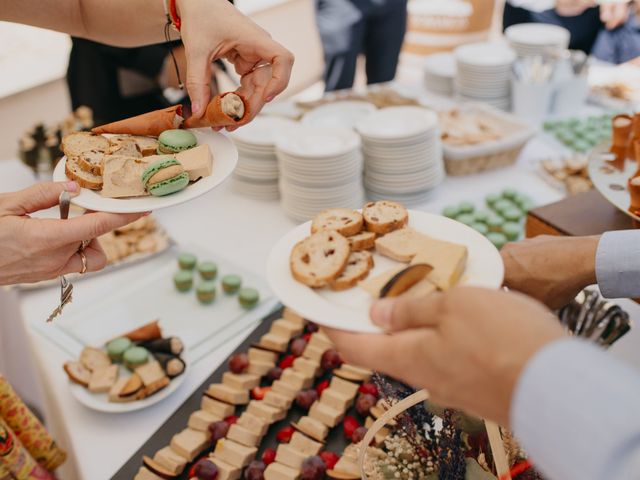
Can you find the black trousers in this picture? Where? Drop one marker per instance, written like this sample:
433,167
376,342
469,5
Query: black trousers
349,28
584,28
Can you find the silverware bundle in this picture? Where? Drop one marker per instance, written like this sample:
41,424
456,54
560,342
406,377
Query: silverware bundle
592,317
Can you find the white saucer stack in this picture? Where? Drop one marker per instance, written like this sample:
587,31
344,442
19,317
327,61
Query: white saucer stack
256,175
402,154
320,168
530,39
484,73
341,114
439,73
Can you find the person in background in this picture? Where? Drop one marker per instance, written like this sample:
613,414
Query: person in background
586,20
348,28
33,249
505,357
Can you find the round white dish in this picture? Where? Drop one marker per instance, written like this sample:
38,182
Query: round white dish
349,309
343,114
225,158
313,142
397,123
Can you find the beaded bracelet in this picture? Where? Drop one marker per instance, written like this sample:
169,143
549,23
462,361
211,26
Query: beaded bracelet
171,12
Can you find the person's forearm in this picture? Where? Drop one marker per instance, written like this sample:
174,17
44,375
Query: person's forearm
575,412
123,23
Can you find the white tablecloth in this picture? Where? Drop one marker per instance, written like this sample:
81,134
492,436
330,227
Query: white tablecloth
242,230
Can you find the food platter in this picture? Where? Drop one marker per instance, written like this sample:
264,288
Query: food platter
225,158
349,309
611,182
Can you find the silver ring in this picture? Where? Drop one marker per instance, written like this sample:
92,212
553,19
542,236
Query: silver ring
260,65
83,257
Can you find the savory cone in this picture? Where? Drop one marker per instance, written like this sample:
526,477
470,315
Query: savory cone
225,110
148,124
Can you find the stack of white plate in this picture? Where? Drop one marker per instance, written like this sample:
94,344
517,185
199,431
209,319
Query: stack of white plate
256,174
320,168
484,73
530,39
342,114
439,73
402,154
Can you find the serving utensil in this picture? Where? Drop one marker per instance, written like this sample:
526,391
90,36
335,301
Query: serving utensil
66,288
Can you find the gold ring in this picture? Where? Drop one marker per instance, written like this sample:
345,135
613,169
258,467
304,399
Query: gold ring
260,65
83,257
84,244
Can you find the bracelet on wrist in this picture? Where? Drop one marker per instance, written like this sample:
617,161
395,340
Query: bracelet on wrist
171,11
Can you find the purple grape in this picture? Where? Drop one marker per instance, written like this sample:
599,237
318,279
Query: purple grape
274,374
255,471
206,470
359,434
365,403
306,398
239,362
312,327
297,346
218,430
330,359
313,468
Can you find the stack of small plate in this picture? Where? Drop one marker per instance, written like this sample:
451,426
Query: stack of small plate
342,114
320,168
439,73
256,175
484,73
530,39
402,154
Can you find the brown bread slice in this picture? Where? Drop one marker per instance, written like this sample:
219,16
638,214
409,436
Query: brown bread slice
124,146
319,259
73,144
358,267
85,179
147,145
78,373
92,161
362,241
384,216
345,221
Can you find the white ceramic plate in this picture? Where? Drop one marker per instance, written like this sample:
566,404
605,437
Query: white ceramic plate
538,34
349,310
225,157
315,142
398,123
100,401
610,182
262,131
343,114
489,55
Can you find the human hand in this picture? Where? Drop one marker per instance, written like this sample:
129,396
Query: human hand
467,347
614,13
34,249
214,29
551,269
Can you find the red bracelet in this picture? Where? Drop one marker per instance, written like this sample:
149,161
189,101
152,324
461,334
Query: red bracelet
173,14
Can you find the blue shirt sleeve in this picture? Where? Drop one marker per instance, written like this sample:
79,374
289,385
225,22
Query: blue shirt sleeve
618,264
576,412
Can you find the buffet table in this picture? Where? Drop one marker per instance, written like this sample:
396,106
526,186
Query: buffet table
232,226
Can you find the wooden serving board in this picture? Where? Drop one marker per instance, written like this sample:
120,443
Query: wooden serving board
335,442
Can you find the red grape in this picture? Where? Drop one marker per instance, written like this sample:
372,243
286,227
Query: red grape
330,359
258,393
239,362
330,459
231,419
274,374
307,337
359,434
205,469
312,327
285,434
306,398
364,403
313,468
322,386
369,388
297,346
255,471
269,456
350,425
218,430
287,362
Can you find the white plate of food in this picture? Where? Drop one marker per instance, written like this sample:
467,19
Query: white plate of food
117,184
611,182
457,254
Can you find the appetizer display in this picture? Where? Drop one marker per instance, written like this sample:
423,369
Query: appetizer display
570,173
206,288
125,166
328,258
460,127
581,134
132,367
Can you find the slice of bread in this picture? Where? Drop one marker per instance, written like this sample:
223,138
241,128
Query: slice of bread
384,216
319,259
124,146
78,373
147,145
362,241
92,161
76,143
358,267
345,221
94,358
401,245
85,179
374,285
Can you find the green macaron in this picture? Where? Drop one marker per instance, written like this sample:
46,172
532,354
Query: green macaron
117,347
206,291
466,207
231,283
482,216
208,270
187,261
450,211
495,223
509,193
164,177
513,214
183,280
498,239
135,356
512,230
480,227
466,218
492,198
502,205
248,297
174,141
